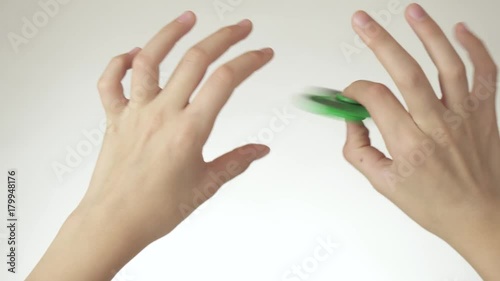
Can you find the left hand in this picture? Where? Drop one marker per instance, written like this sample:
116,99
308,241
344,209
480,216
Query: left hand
151,173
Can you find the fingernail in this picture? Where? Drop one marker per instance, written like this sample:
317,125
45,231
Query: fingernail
245,22
267,51
362,19
417,12
186,17
134,51
263,151
463,28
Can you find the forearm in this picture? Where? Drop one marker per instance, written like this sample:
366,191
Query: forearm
91,245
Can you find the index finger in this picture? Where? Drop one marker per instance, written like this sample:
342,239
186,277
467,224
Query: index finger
401,66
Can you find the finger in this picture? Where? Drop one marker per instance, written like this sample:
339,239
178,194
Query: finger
110,86
219,87
365,158
485,69
232,164
452,73
392,119
146,65
404,70
196,61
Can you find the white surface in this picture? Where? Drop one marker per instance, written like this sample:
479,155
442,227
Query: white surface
268,220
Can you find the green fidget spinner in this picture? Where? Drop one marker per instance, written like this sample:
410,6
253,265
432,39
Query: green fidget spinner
332,103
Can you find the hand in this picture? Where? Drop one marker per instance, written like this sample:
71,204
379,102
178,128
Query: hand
444,171
150,173
152,151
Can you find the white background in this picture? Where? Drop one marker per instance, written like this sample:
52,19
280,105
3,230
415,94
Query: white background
261,225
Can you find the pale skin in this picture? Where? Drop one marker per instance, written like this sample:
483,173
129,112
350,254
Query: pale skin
454,188
154,141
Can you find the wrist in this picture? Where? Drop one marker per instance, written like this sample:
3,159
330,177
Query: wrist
91,245
480,246
108,225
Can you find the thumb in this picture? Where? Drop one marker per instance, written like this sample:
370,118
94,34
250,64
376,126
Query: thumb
232,164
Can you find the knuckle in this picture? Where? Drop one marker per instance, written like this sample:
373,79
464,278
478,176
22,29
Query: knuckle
197,119
139,95
349,88
225,74
197,55
411,145
456,73
142,61
117,105
106,85
348,153
363,135
155,123
149,81
226,31
118,61
354,85
428,118
193,113
378,91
